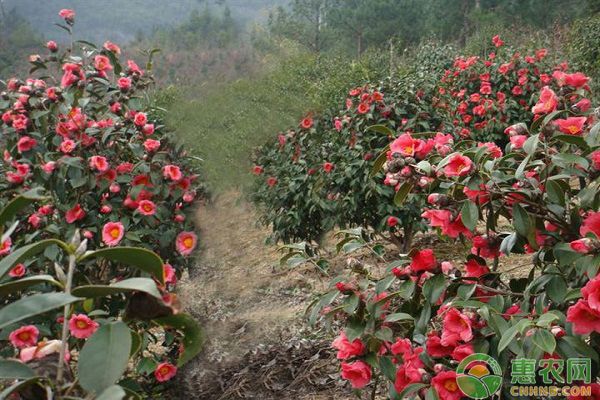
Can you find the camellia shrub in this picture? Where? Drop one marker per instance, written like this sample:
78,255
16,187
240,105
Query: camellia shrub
405,330
109,174
318,176
484,95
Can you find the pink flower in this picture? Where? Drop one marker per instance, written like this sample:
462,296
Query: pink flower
517,141
99,163
547,102
5,247
146,207
169,274
172,172
456,328
576,80
67,14
581,245
124,84
585,320
26,143
17,271
112,233
404,145
102,63
82,326
583,105
49,167
186,242
446,386
24,336
494,150
165,371
571,125
591,293
462,351
140,119
52,46
358,373
148,129
435,348
67,146
328,167
497,41
346,349
474,269
458,165
75,214
110,46
151,145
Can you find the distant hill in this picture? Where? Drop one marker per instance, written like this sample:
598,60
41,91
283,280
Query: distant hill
121,20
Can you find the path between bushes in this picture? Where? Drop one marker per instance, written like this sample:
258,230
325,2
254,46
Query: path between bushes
252,310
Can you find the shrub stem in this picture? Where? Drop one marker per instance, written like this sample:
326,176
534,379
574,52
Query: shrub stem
65,327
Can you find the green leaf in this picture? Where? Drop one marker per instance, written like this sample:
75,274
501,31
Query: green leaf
402,193
146,285
143,259
104,357
23,253
33,305
410,389
566,159
114,392
24,283
522,221
399,317
192,335
555,192
17,204
388,368
379,161
381,129
544,340
434,287
557,289
17,387
470,214
510,333
531,144
12,369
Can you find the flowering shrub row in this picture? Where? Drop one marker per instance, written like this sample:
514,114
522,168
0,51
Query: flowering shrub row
539,196
318,176
110,171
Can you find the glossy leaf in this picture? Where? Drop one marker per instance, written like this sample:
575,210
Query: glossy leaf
12,369
24,253
31,306
143,259
193,338
146,285
24,283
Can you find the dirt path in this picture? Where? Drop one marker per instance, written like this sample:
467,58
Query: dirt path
251,309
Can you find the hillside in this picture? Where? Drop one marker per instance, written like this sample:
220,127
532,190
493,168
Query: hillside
121,21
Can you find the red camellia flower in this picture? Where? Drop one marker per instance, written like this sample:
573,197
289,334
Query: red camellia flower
497,41
165,371
456,328
81,326
581,245
591,224
392,221
102,63
110,46
186,243
346,349
435,348
358,373
458,165
124,84
172,172
169,274
151,145
257,170
585,320
26,143
75,214
271,181
547,102
423,260
446,387
17,271
306,123
67,14
474,269
591,293
52,46
404,144
363,108
571,125
146,207
328,167
99,163
24,336
575,80
140,119
112,233
67,146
